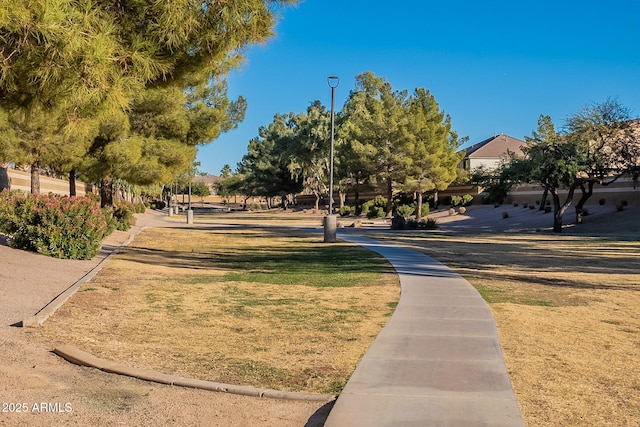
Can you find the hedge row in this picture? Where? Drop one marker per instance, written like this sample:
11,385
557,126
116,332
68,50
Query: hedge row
58,226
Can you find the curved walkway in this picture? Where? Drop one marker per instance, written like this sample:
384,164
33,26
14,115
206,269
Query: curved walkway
437,362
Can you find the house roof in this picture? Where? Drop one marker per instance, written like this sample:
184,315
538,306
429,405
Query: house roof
207,179
495,147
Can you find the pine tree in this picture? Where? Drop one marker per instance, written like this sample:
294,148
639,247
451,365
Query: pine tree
86,61
432,149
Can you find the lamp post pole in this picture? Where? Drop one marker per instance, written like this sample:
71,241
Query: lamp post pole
330,221
189,210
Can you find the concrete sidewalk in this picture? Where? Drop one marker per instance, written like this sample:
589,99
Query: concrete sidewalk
438,361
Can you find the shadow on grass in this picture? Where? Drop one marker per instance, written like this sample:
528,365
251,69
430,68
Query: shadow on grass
534,258
306,263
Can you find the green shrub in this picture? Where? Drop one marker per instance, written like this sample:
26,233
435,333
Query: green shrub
399,223
405,211
465,200
425,209
346,211
61,227
139,208
375,212
375,208
157,204
7,210
123,215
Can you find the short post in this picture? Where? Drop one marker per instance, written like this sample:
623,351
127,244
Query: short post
330,228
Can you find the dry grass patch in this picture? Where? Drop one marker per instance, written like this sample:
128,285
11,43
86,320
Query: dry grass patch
568,314
247,306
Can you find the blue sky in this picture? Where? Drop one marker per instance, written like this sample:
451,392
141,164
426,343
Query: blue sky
493,66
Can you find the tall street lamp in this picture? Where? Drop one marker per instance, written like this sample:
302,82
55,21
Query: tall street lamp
330,221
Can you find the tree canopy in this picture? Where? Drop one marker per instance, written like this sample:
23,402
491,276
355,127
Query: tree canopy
600,144
267,166
395,140
373,128
86,66
432,149
387,140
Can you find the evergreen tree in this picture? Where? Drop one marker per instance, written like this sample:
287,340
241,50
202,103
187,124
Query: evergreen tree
88,60
267,167
310,151
431,151
373,130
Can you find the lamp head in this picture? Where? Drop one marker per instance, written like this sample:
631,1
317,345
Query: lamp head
333,81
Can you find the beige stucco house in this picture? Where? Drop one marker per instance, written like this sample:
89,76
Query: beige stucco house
490,152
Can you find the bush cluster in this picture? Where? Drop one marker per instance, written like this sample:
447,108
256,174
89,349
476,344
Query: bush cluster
405,211
346,211
375,208
400,223
157,204
120,215
60,226
465,200
52,225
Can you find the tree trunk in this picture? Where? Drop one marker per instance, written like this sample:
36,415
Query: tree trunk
106,192
389,197
342,196
543,203
317,204
436,200
357,196
72,183
586,194
35,177
559,210
419,208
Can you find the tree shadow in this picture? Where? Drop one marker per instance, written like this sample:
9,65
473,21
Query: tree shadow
602,256
304,261
320,416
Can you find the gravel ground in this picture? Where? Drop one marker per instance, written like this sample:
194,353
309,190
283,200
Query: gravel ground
601,220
